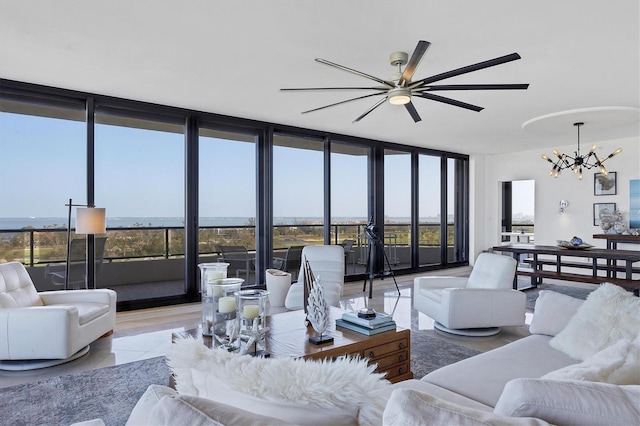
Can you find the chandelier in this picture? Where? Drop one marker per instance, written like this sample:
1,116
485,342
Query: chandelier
578,162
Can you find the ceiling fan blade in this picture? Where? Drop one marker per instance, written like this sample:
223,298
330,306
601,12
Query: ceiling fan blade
412,111
344,102
449,101
361,74
473,87
376,105
300,89
414,61
467,69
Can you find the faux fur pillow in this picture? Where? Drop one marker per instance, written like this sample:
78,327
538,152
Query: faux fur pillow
343,391
609,314
618,364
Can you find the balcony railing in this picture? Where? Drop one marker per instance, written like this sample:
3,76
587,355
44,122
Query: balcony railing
34,247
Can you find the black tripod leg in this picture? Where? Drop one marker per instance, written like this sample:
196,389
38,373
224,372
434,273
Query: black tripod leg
366,269
390,270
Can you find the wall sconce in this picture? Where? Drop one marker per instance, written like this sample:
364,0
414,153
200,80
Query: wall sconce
563,205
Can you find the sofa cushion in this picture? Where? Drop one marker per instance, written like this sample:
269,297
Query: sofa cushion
160,405
407,407
437,392
552,312
87,311
571,403
618,364
609,314
294,390
482,377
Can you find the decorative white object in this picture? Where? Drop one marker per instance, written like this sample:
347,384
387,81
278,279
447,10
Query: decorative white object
226,304
318,312
210,275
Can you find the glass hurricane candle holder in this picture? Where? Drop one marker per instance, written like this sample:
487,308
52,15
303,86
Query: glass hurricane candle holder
209,274
252,310
226,328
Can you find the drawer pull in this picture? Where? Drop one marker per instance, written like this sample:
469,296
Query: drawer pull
401,370
401,345
401,358
371,354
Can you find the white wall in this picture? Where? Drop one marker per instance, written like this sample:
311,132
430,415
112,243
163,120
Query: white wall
487,173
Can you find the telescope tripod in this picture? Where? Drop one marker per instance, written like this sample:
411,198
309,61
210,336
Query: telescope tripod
376,243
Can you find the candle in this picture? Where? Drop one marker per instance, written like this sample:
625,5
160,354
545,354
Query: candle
226,305
213,276
216,290
250,311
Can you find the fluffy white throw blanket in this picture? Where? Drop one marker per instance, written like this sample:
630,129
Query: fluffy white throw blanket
609,314
345,382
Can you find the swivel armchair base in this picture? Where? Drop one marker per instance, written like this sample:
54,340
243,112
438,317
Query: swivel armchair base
472,332
34,364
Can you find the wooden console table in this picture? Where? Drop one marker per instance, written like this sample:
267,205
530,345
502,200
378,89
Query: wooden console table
555,258
288,337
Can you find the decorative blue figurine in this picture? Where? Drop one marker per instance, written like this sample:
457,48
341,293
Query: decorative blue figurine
576,241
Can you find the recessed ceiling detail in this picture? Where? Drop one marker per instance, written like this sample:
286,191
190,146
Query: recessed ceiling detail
400,89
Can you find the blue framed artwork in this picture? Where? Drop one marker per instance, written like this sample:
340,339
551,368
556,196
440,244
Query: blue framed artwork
634,203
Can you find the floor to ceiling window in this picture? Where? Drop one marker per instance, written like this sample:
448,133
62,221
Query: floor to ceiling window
457,211
227,200
298,191
349,208
43,151
429,187
139,179
397,208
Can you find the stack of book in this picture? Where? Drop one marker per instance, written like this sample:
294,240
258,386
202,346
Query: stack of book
368,326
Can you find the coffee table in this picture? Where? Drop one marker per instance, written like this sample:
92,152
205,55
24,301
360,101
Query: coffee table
288,337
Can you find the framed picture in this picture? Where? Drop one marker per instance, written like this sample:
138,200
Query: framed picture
604,184
604,211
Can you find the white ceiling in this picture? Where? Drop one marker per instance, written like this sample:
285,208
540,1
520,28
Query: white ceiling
232,57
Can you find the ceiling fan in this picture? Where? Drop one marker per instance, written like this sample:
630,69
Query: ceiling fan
399,90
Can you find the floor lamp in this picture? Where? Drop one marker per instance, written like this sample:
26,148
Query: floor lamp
89,220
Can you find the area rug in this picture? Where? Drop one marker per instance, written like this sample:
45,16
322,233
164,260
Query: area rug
107,393
430,353
577,292
111,393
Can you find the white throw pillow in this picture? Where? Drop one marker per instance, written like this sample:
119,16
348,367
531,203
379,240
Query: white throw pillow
609,314
408,407
299,391
618,364
571,403
552,312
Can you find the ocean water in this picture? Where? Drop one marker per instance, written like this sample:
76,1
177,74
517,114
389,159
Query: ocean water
12,223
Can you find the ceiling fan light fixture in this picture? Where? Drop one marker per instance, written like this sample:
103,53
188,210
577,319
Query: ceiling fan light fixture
399,96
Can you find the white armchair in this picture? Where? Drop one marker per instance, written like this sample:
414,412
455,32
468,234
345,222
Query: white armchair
48,328
327,263
475,306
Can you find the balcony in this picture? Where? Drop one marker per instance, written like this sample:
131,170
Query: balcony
148,262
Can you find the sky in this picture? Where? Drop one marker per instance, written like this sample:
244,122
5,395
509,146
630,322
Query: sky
140,173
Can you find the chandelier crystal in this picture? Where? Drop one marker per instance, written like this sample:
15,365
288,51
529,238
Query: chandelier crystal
578,162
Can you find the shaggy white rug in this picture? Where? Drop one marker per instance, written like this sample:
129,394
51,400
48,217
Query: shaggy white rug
295,390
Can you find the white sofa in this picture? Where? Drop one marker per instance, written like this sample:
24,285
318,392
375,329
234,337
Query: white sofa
528,381
52,325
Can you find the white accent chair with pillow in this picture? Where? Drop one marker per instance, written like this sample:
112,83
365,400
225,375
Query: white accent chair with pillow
475,306
48,328
327,264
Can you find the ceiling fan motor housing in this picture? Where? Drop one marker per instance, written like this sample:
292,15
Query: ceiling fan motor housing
398,58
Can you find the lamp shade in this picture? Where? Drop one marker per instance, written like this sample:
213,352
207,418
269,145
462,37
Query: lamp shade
90,220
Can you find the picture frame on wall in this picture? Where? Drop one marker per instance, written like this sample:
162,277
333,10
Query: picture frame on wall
602,210
604,184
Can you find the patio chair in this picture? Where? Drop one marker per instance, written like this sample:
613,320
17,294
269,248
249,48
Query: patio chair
56,272
239,261
290,262
347,245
